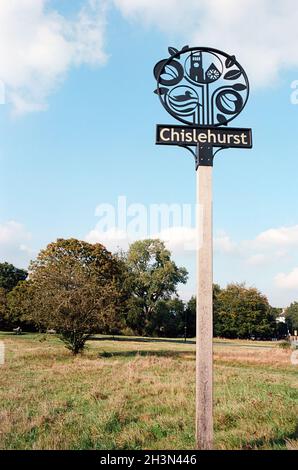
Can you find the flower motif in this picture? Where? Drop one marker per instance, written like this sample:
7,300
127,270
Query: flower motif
213,74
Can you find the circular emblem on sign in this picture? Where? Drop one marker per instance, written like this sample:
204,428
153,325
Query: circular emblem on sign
184,100
201,86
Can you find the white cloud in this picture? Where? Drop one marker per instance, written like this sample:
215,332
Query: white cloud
12,232
14,240
113,239
287,281
283,236
262,33
178,240
256,259
223,243
268,246
38,46
266,253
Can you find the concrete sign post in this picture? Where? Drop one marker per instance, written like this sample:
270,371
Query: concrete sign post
204,320
204,89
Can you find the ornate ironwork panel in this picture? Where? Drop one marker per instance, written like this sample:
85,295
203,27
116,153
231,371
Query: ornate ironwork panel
201,86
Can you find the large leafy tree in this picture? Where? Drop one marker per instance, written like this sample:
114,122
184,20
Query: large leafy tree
167,319
152,276
281,329
23,307
243,312
73,287
239,312
3,308
191,308
10,276
190,317
291,314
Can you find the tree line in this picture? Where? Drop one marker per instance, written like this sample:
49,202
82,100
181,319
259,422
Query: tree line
79,289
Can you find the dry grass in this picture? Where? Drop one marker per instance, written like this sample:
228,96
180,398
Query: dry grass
257,356
140,395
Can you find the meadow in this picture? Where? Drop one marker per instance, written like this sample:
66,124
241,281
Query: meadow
135,393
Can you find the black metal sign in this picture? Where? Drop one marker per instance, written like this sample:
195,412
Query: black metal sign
193,136
202,88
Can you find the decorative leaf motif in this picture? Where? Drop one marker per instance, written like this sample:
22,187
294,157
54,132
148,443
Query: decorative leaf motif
239,87
168,72
222,119
184,48
171,71
188,110
230,61
233,74
228,102
161,91
172,51
159,68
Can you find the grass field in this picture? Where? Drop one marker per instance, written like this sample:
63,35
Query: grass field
136,394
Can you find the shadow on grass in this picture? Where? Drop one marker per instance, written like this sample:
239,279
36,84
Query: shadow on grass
146,353
141,340
181,341
280,441
15,335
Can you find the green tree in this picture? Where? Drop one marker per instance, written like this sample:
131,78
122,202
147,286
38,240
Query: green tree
243,312
281,329
134,317
73,287
152,276
291,314
10,276
3,308
276,311
167,319
190,317
191,309
216,308
22,309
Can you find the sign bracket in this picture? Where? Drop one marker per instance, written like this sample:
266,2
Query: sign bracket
204,155
201,155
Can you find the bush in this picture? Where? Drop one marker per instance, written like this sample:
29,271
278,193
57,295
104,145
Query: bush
285,345
127,331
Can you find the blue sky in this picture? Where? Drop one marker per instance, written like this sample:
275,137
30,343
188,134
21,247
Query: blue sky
78,128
